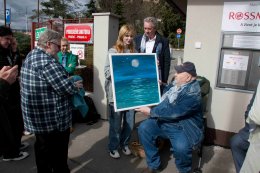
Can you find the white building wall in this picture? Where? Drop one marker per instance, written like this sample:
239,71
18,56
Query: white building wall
226,108
105,34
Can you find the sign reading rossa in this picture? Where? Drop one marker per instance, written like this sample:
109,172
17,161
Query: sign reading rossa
81,33
241,16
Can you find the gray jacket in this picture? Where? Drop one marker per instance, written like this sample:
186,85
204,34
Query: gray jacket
108,82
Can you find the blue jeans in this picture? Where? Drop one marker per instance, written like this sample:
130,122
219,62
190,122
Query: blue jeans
120,134
239,145
149,131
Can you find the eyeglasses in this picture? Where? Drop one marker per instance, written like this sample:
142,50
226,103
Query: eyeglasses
55,44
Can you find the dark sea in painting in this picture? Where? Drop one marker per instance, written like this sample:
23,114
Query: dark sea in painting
135,80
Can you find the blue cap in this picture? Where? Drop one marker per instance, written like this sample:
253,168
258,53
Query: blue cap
188,67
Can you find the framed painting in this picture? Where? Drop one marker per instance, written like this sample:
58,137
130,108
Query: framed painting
134,79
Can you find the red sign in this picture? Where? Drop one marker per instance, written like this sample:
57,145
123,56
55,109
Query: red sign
82,33
179,31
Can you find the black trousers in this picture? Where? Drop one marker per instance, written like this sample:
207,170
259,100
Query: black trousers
11,129
51,152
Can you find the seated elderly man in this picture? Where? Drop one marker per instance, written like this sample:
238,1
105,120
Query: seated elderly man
178,118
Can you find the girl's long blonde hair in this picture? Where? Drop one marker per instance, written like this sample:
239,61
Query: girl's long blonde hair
125,30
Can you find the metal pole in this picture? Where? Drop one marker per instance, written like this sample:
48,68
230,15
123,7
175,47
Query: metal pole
5,11
38,12
26,21
178,43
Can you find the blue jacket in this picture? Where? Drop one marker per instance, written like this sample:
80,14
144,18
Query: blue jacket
185,110
78,99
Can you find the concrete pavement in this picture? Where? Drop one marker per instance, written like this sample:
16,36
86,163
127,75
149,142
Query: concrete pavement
88,154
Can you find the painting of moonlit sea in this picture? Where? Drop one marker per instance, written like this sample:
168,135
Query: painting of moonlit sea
134,80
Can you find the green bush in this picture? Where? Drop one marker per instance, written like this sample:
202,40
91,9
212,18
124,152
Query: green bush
24,43
174,41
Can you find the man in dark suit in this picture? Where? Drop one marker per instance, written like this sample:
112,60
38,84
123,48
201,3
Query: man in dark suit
152,42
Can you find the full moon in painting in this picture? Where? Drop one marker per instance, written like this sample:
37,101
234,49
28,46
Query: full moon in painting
135,63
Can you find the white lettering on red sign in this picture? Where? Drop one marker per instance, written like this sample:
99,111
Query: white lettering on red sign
76,31
79,32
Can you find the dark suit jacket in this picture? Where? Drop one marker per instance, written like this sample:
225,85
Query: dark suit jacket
164,54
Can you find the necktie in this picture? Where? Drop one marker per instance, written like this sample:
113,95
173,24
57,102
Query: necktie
64,60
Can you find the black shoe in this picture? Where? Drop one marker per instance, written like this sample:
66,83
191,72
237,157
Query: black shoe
21,156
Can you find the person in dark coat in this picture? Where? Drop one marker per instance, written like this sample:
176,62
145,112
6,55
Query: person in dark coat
152,42
11,123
